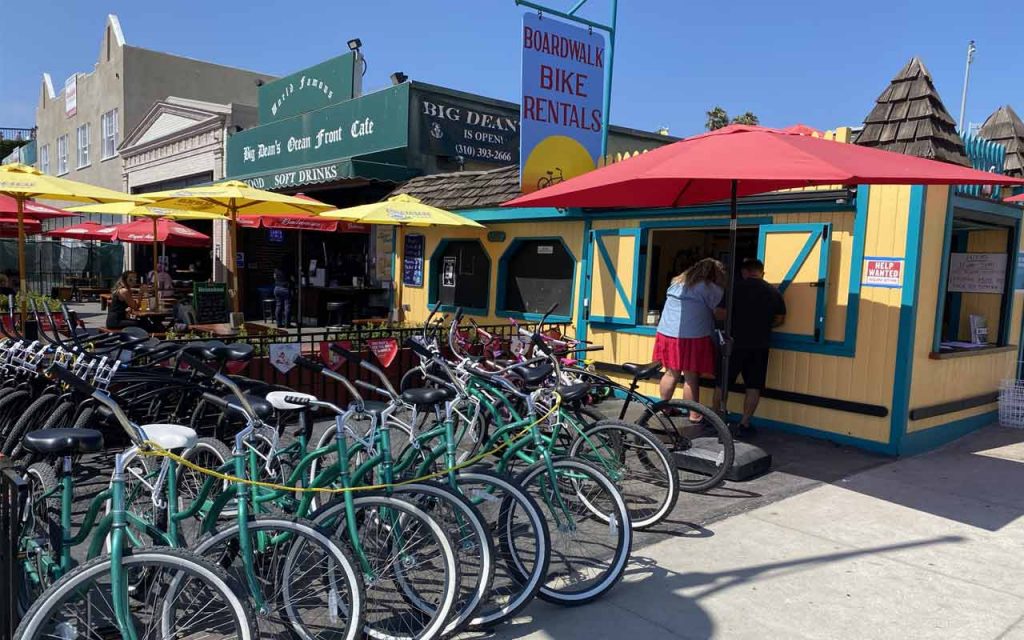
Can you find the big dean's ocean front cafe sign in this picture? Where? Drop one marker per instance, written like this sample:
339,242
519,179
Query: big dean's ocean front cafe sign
318,145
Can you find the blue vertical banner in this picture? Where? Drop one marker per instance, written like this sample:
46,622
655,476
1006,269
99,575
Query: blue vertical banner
563,94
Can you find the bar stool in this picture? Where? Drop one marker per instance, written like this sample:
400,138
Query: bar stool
337,313
268,309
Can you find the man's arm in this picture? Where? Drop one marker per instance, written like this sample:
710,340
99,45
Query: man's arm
780,310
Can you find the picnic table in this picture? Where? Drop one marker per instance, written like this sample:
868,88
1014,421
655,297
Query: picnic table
224,329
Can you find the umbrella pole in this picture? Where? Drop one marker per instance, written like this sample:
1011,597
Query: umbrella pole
723,389
22,281
400,262
156,257
232,262
298,301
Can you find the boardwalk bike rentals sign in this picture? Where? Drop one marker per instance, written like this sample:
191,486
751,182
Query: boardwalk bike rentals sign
563,93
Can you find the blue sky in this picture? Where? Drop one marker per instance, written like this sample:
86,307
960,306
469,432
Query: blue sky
820,63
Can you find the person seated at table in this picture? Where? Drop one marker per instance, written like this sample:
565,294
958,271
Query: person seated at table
122,302
5,286
162,279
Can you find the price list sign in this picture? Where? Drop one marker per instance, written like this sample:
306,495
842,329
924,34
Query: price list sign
412,261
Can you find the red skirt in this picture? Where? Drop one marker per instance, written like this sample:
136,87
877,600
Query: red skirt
686,354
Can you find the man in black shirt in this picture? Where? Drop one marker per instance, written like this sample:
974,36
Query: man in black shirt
758,307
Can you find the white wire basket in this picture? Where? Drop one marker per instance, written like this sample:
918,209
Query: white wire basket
1011,403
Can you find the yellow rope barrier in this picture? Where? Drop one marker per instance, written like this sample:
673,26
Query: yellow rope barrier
151,449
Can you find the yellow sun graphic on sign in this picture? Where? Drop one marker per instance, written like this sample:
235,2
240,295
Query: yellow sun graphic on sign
555,159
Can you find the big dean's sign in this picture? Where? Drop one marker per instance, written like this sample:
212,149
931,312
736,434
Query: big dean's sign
370,123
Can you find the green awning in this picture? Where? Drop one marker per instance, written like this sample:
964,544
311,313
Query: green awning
324,172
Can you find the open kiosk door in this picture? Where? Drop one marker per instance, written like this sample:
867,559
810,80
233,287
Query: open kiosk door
795,260
614,274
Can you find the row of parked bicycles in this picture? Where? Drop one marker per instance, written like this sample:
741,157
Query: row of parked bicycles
233,508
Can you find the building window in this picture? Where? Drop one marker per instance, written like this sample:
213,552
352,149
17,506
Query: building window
44,158
534,275
460,275
84,132
976,295
108,123
62,155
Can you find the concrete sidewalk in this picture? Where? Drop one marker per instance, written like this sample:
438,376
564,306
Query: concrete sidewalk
927,547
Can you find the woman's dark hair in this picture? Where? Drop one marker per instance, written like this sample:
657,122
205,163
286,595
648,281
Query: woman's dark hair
122,282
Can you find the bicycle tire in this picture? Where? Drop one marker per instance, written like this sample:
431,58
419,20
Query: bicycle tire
40,525
288,595
380,601
612,516
474,548
33,415
235,616
650,485
512,588
62,416
209,453
718,447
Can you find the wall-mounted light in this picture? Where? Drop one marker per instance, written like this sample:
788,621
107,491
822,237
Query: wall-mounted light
259,82
398,78
354,44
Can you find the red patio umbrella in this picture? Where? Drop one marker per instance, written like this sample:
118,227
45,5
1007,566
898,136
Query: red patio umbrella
741,160
9,227
1016,198
169,232
37,210
87,230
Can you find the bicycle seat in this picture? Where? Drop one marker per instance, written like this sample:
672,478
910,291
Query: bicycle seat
170,436
234,352
63,442
533,376
279,400
134,332
642,371
573,392
425,398
264,410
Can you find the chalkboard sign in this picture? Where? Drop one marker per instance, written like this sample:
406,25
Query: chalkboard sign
210,302
412,263
977,272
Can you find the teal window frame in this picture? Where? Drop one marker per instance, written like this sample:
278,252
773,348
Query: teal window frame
818,233
432,278
999,215
499,303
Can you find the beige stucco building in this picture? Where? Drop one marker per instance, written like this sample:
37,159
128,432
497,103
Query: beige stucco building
82,123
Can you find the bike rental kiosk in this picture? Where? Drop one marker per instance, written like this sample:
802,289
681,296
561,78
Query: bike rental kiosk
904,312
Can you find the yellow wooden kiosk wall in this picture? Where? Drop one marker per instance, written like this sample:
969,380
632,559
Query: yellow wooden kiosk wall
867,374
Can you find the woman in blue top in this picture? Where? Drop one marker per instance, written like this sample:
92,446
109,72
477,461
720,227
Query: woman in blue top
683,343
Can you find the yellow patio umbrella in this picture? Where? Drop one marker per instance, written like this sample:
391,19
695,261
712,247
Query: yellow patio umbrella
23,182
401,211
230,199
147,211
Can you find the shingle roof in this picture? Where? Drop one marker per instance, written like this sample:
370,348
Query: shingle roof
463,190
909,117
1005,127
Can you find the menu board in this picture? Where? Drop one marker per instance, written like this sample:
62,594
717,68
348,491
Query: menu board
412,261
977,272
210,302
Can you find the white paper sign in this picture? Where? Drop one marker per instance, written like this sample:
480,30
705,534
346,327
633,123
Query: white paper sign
71,96
282,355
977,272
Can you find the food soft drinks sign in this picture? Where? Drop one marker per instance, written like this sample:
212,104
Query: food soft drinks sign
563,93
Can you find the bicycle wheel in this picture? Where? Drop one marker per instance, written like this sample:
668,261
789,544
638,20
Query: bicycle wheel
519,529
708,448
474,549
32,418
40,538
308,584
643,469
208,453
62,416
398,546
188,598
591,536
